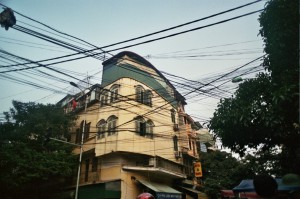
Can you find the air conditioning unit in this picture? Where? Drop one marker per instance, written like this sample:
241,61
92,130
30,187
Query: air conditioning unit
178,154
175,127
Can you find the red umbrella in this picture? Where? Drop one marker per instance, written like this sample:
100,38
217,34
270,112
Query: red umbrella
145,196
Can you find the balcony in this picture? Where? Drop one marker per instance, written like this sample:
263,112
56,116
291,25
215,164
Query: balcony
159,167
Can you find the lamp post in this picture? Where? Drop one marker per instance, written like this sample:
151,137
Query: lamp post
82,138
236,79
239,79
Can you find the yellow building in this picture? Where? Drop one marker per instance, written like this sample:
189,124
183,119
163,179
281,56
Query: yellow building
137,136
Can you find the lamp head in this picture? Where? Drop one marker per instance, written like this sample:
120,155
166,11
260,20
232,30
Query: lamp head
73,84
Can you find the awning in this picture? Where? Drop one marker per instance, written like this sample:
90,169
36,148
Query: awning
162,191
103,190
227,193
230,194
157,171
247,186
193,192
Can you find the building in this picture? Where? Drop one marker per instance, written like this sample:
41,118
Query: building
137,136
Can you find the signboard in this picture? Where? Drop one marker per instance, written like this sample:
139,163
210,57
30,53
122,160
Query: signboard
161,195
198,169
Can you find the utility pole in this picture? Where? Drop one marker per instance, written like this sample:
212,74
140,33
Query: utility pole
7,18
82,138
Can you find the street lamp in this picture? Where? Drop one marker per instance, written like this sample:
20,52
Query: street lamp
82,137
237,79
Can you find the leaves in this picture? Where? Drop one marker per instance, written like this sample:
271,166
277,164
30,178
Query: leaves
222,171
265,110
26,161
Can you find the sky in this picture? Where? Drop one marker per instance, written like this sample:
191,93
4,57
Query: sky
204,55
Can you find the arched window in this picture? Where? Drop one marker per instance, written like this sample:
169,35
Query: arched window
149,129
101,128
142,96
104,98
140,126
112,125
148,98
139,91
114,93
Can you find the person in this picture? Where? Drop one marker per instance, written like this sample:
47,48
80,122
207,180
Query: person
145,196
265,186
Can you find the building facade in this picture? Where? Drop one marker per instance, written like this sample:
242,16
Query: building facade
137,136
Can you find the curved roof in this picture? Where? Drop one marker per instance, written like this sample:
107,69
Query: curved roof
143,61
129,54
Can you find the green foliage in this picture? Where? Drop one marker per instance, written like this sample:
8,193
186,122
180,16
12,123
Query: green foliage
264,162
222,171
247,120
265,110
279,30
30,166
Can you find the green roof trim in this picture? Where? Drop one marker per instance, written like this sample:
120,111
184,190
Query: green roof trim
113,72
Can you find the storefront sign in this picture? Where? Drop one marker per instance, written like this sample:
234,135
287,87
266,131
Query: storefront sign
168,196
198,169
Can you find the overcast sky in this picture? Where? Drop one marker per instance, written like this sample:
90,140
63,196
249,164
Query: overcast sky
201,55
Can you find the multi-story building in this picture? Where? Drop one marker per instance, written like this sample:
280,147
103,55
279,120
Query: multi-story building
137,136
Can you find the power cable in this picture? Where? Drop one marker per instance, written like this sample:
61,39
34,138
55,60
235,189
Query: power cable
140,43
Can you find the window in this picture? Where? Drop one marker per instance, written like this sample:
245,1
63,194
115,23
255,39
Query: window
94,164
173,115
104,99
190,144
175,142
101,128
139,91
148,98
142,96
194,148
140,126
111,125
97,93
86,129
78,136
149,129
144,128
114,96
87,164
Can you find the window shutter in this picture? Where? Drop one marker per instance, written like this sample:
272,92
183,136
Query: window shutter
142,128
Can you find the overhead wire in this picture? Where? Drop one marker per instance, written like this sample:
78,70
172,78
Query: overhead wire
160,107
192,29
152,40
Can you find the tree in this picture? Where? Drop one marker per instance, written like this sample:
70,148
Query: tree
31,166
222,171
263,162
279,30
264,112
